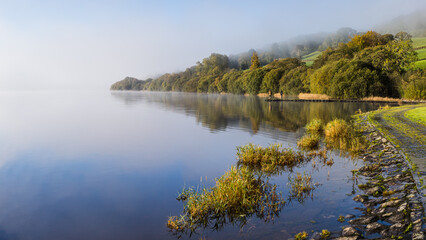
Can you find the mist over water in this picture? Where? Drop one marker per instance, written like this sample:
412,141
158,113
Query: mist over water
100,165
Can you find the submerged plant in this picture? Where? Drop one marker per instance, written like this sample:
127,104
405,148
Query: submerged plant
301,186
325,234
239,193
301,236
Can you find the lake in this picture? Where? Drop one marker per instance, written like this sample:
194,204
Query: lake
109,165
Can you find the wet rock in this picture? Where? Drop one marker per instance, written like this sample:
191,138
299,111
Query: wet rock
374,227
316,236
418,236
350,232
373,191
363,220
346,238
396,229
396,218
411,196
360,198
402,207
391,203
349,216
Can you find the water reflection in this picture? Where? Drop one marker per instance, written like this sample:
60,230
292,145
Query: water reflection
219,112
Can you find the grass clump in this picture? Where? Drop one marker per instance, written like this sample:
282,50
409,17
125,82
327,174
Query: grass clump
335,129
309,141
341,135
325,234
301,236
315,126
269,159
235,196
301,186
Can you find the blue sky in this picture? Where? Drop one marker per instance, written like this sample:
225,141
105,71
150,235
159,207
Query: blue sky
93,43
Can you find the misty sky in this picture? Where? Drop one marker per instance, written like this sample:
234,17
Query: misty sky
90,44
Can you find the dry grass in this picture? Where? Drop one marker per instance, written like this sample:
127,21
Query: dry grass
308,96
343,136
382,99
263,95
337,128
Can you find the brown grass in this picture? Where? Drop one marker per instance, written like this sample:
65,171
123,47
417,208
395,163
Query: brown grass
382,99
313,96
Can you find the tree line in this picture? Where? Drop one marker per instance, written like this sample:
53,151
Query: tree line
369,64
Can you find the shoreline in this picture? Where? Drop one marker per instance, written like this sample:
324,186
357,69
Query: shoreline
392,204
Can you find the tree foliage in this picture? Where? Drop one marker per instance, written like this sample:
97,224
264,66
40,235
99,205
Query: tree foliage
369,64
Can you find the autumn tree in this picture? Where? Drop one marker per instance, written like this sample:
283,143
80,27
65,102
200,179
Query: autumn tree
254,61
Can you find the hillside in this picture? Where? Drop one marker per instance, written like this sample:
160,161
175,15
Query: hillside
369,65
419,45
310,58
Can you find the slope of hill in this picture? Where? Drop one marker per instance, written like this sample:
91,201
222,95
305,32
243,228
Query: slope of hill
419,44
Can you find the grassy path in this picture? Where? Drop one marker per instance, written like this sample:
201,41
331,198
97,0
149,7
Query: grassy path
408,134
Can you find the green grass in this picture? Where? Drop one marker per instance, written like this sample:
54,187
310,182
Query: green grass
417,115
421,64
419,42
310,58
421,54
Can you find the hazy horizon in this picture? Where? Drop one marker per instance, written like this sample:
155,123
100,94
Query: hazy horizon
91,44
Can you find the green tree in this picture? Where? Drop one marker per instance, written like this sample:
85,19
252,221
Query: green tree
271,81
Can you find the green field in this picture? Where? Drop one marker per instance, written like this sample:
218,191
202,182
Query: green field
421,54
417,115
418,43
310,58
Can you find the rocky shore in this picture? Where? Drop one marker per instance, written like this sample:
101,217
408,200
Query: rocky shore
390,203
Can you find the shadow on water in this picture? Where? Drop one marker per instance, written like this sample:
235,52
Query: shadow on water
219,112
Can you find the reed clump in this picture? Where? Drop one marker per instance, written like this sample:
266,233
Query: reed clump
235,196
269,159
341,135
309,141
315,126
337,128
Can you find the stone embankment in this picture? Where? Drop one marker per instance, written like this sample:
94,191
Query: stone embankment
391,205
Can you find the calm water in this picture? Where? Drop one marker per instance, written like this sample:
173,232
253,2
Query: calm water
101,165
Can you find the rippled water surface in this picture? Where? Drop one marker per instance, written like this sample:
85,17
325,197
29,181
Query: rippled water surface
109,165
